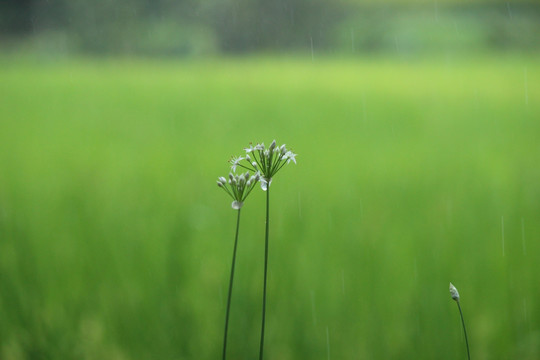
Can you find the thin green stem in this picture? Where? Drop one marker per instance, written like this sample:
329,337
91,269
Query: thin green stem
464,330
245,167
265,271
230,287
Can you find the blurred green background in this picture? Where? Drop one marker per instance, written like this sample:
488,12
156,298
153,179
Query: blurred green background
418,137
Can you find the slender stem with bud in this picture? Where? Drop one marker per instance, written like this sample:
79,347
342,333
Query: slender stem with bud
464,330
230,287
455,296
265,273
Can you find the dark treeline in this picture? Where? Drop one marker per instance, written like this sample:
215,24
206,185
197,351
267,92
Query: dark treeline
188,27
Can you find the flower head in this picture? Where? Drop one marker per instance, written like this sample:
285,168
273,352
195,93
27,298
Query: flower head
266,161
454,293
238,187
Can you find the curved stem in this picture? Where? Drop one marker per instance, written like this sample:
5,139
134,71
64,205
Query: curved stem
464,331
230,287
265,271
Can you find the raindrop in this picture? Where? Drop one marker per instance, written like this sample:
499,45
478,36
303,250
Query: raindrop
526,87
449,212
343,281
221,300
313,307
311,40
363,106
523,236
327,343
299,205
502,232
509,11
526,313
237,205
456,28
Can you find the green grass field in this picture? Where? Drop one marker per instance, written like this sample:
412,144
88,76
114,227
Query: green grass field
115,241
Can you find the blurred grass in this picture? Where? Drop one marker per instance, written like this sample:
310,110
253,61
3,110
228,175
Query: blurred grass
115,242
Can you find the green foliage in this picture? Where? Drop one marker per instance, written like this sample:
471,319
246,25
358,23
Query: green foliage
186,28
115,241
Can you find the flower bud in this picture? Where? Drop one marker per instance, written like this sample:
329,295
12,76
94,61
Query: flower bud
454,293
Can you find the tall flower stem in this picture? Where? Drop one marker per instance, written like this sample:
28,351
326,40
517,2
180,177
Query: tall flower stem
230,287
265,272
464,330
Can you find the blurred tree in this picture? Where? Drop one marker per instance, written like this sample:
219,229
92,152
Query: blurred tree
15,16
246,25
190,27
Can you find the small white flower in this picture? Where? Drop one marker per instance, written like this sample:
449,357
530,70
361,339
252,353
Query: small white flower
290,156
259,147
235,161
454,293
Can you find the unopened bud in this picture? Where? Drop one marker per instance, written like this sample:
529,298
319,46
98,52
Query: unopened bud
454,293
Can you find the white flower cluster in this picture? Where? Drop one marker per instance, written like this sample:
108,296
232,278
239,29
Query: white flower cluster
266,161
238,187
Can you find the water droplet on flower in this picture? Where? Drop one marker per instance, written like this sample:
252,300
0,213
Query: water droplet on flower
237,205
